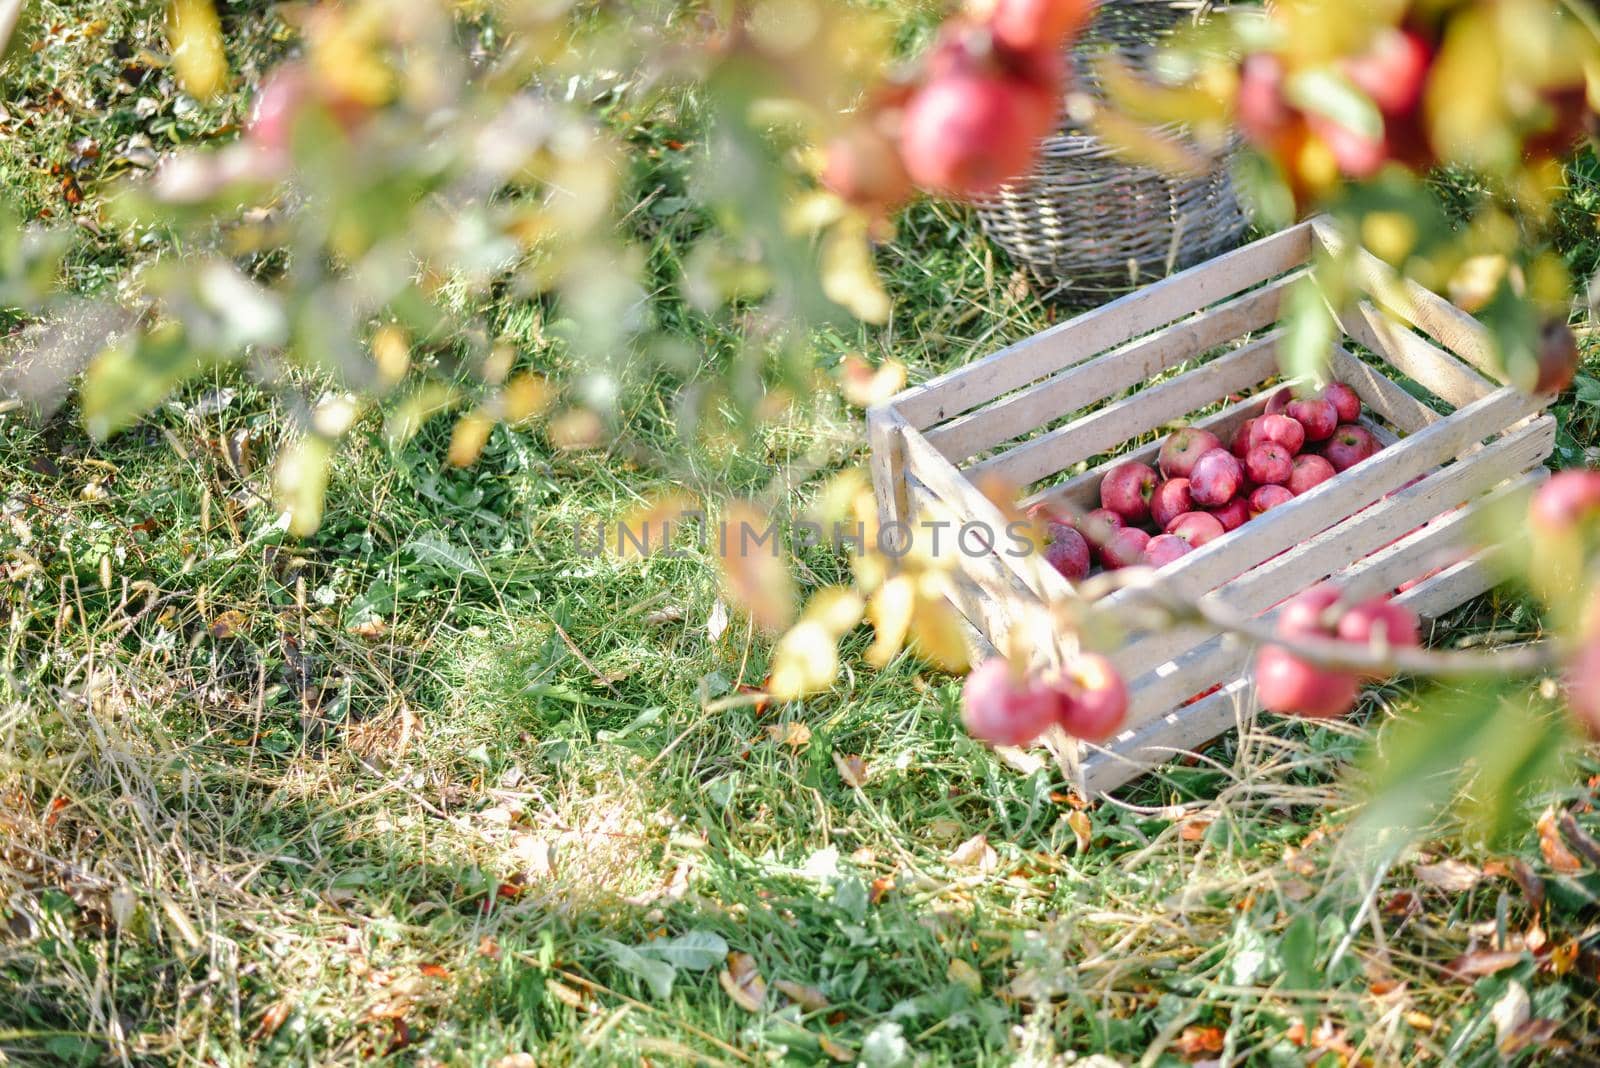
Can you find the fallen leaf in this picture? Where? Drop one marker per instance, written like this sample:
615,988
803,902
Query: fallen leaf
434,971
1453,876
842,1054
1197,1040
228,624
852,770
272,1019
1193,829
717,621
1556,854
880,888
1419,1020
975,852
565,994
1528,879
517,1060
963,974
1531,1033
1510,1012
743,982
532,855
1480,963
372,630
808,998
793,734
1082,829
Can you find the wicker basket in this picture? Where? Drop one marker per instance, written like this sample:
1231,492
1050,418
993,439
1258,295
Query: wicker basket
1096,223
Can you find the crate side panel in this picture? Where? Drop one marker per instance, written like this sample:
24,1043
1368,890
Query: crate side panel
1092,333
1103,377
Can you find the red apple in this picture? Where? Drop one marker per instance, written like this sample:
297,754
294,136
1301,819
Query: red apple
1002,708
1034,25
863,167
1310,612
1279,402
1263,112
1099,525
1266,498
1216,478
1241,439
1125,549
1165,548
1289,686
1067,552
1127,489
968,132
1269,462
1171,500
1197,528
1350,445
1280,429
1096,699
1380,623
1558,357
1567,499
1234,514
1392,71
1346,401
1309,473
1319,418
1183,448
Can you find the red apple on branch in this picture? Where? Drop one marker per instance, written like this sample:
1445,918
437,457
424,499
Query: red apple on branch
1096,699
1003,707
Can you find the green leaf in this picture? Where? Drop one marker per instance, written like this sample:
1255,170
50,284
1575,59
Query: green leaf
655,974
1308,332
1326,92
432,548
693,951
1297,951
134,375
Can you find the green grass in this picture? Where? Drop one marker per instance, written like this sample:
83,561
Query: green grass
434,773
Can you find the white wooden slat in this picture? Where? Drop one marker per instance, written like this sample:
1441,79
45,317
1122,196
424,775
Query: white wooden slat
1307,515
1147,410
1121,320
952,486
990,596
1447,324
1414,356
1087,384
887,463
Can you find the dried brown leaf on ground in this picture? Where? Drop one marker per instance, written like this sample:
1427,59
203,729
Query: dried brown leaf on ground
975,852
808,998
1479,963
1562,861
852,770
1450,875
743,982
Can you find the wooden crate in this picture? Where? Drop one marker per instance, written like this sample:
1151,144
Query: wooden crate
1051,414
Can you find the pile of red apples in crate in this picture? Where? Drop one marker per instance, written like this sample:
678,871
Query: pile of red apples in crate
1203,487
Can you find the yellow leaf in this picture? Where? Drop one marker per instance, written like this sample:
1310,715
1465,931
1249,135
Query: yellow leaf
849,277
228,624
805,660
938,635
743,982
391,353
524,397
467,440
648,528
864,385
1078,820
197,55
575,429
302,482
1154,148
964,974
841,1053
755,573
836,609
891,611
